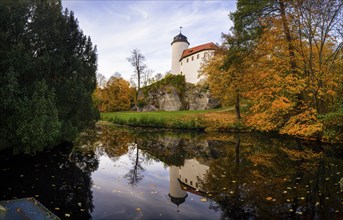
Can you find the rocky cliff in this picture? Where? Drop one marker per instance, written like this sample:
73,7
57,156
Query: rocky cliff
169,97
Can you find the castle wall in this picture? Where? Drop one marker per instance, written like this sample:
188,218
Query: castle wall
190,66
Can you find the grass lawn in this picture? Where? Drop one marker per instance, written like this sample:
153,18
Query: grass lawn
214,119
163,115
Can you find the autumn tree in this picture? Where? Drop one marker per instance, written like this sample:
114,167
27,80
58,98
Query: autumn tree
116,95
285,58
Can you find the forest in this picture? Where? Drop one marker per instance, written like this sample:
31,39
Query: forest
47,75
282,64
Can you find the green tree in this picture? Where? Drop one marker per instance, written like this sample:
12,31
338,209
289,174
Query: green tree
47,72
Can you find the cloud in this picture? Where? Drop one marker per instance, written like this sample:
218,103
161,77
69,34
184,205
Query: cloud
118,27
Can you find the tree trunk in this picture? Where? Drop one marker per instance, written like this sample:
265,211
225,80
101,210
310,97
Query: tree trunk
288,36
237,105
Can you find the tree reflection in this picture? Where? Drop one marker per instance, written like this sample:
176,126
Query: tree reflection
267,179
135,175
54,178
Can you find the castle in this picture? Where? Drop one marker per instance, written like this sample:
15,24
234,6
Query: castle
187,61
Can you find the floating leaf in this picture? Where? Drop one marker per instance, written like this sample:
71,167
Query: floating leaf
203,199
67,215
269,198
56,208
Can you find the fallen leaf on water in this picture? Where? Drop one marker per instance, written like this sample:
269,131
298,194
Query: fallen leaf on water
269,198
67,215
203,199
291,210
56,208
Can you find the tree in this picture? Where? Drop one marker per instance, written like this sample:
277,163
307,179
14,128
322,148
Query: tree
100,80
137,61
226,83
116,95
47,72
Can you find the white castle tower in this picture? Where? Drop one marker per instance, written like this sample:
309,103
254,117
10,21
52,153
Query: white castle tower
179,44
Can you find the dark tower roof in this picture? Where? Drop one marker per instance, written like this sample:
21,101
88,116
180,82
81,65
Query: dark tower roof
180,38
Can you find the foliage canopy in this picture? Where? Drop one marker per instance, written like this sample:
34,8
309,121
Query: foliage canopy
47,75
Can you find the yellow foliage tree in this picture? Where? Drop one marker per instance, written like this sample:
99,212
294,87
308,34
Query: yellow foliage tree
115,96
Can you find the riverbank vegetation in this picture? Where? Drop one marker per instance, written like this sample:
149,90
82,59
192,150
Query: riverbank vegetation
47,75
209,120
284,59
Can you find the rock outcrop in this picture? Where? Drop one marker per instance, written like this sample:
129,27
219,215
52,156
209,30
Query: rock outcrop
169,98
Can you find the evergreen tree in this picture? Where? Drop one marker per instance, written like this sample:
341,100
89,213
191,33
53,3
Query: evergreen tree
47,75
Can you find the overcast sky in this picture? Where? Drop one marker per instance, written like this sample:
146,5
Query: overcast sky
118,27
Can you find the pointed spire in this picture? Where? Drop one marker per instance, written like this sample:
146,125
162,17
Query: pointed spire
180,29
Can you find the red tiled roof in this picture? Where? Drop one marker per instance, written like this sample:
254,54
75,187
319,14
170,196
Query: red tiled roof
193,50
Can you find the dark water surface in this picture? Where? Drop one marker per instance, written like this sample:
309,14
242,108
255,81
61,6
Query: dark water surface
114,173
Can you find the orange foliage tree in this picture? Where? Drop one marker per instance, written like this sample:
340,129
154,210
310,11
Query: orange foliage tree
116,95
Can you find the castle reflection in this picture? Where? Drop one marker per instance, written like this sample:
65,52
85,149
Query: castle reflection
186,178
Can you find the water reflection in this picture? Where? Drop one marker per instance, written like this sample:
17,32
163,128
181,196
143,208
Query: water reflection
115,173
60,179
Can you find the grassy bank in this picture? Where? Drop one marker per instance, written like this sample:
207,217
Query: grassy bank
210,120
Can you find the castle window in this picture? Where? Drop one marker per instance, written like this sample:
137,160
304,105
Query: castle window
185,180
181,63
196,185
198,56
187,60
191,183
192,58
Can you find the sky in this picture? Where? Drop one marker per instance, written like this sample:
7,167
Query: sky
118,27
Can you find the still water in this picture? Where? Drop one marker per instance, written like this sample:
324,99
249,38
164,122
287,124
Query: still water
115,173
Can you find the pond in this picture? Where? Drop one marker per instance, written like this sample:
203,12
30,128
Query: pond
117,173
